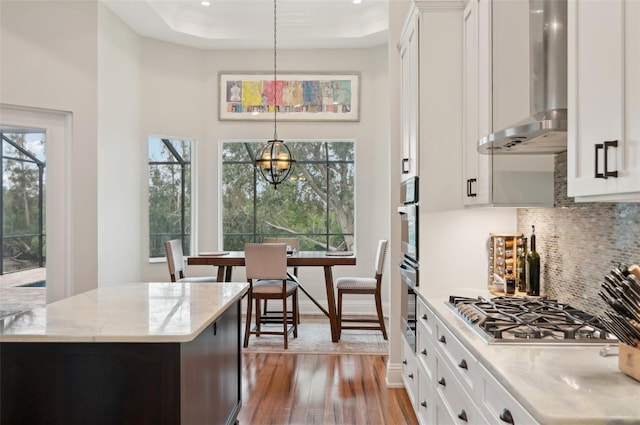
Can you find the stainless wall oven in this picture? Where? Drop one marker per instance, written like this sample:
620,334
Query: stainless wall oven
409,305
409,266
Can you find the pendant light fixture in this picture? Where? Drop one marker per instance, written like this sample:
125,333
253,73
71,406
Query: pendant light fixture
275,160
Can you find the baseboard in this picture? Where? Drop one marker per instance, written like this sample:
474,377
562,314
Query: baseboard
394,375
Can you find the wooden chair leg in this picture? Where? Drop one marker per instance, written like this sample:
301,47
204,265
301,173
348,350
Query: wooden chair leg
380,316
285,325
339,313
296,313
247,329
258,323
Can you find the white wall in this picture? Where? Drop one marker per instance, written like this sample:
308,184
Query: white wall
119,88
48,60
179,98
120,151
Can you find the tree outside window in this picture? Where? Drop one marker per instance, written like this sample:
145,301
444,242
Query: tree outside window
316,204
23,200
169,193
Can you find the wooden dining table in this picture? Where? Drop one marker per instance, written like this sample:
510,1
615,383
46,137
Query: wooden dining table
226,261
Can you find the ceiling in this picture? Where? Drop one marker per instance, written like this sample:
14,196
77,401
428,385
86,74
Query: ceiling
248,24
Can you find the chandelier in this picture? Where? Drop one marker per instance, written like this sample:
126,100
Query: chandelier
275,160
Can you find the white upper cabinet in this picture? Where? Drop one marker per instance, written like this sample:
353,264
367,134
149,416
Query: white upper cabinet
496,96
603,158
474,164
409,55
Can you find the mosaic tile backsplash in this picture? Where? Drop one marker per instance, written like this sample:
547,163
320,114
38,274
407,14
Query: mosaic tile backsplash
580,242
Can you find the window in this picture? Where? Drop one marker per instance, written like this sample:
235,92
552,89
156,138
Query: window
169,193
316,205
23,200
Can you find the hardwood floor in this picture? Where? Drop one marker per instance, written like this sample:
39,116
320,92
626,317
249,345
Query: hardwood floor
320,389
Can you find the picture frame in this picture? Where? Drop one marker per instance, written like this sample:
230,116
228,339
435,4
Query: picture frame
301,96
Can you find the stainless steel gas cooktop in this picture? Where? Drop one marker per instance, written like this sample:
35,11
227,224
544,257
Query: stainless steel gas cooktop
515,320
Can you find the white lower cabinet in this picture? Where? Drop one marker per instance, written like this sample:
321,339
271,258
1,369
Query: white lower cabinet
454,396
498,405
448,385
425,408
410,372
426,359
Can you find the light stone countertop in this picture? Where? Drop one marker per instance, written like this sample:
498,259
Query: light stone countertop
556,384
132,312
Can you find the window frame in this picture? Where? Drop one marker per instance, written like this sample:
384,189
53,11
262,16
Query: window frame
188,248
257,237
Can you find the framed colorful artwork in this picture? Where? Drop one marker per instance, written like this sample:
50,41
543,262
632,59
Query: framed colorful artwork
295,96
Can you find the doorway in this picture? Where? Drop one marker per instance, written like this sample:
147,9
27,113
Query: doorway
35,203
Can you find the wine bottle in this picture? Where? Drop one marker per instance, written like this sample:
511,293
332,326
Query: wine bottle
520,266
533,263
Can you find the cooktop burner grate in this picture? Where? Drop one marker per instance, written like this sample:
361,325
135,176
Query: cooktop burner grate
528,320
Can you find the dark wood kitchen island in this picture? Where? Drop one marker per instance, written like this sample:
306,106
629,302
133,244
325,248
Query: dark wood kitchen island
142,353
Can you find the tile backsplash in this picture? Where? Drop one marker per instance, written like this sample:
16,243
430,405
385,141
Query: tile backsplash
580,242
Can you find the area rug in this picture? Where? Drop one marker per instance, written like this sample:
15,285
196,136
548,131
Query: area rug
314,336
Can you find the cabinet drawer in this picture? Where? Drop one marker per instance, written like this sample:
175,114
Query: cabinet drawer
464,365
426,318
459,403
425,407
426,354
410,372
498,405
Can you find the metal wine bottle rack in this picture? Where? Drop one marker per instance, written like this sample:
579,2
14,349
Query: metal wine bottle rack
504,249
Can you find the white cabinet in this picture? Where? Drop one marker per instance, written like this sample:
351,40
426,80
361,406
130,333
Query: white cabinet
448,385
603,157
426,360
410,372
459,404
495,96
497,405
409,105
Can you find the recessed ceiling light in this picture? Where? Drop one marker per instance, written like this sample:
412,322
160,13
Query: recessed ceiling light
205,3
357,1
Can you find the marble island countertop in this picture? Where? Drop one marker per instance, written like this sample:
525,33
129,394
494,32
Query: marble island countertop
556,384
133,312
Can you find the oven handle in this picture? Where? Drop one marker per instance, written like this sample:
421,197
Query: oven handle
409,275
408,209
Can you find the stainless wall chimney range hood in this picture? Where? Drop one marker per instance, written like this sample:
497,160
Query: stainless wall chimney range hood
545,131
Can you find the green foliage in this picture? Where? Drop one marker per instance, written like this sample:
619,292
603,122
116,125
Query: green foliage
169,194
316,204
22,215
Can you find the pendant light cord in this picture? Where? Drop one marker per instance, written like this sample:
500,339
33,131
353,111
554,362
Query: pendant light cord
275,68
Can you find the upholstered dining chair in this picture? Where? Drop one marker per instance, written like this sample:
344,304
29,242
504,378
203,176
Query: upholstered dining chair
364,285
266,269
294,244
175,261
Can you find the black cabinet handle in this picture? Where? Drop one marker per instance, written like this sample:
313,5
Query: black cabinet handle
470,192
424,403
506,416
442,382
215,328
411,375
405,165
463,364
442,339
404,361
605,147
463,415
424,352
424,317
